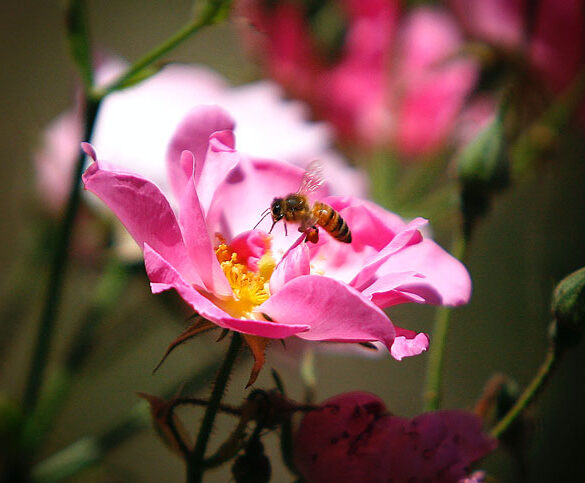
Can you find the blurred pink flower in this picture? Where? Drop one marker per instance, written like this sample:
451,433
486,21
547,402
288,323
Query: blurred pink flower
399,81
58,148
548,35
134,127
54,159
266,285
353,437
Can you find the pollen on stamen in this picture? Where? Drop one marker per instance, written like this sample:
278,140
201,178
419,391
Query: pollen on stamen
250,288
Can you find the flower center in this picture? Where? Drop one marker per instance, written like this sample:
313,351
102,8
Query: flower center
250,288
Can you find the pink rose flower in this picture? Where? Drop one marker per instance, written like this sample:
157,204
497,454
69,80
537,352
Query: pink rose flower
134,127
270,286
550,38
353,437
399,81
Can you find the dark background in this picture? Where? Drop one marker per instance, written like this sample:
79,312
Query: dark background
532,238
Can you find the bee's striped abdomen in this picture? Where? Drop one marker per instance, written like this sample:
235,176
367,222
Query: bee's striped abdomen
332,222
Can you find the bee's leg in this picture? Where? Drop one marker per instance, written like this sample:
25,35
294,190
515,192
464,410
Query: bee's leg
285,232
312,235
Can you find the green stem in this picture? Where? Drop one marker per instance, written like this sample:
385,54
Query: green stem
211,13
384,173
434,377
533,389
195,461
57,272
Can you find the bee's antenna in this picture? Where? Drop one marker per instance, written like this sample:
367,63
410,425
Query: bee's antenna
264,214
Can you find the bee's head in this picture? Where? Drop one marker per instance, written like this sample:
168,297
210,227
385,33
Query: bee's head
276,209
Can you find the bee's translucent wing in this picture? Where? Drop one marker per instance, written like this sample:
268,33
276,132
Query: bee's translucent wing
312,178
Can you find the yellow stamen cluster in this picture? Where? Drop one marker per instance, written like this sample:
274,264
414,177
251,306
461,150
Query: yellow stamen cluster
250,288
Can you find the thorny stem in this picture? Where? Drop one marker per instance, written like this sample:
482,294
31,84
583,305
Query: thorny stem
434,377
224,408
195,460
531,391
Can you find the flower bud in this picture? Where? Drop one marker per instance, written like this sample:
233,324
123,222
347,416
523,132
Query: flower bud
568,308
483,169
253,466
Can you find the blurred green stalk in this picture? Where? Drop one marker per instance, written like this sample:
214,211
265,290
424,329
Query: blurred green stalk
57,272
78,40
211,12
58,386
91,450
433,390
529,394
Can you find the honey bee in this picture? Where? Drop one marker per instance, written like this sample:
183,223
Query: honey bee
296,208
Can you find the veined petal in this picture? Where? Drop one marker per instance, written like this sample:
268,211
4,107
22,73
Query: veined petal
144,211
385,292
164,276
294,264
408,343
445,279
249,189
193,135
332,310
409,236
220,161
199,245
250,247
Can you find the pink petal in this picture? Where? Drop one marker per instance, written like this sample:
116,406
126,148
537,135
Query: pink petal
220,163
89,150
408,343
294,264
164,276
445,279
248,190
385,290
497,21
434,81
55,158
429,35
250,247
557,46
407,237
199,245
193,135
361,216
332,309
344,441
352,437
144,211
429,108
439,445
